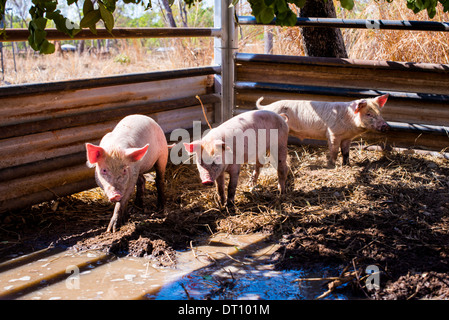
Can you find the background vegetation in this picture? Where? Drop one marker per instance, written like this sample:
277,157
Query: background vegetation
94,58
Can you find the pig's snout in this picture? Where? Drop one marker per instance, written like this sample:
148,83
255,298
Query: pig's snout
207,183
115,197
384,127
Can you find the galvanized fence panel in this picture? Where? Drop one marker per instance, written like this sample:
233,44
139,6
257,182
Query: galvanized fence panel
43,127
419,93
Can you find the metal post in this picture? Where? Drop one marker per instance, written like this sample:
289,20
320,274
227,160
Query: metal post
2,18
224,48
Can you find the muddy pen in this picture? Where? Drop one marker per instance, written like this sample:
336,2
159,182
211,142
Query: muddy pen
373,228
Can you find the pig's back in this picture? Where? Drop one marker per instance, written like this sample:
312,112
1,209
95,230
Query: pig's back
310,119
256,119
135,131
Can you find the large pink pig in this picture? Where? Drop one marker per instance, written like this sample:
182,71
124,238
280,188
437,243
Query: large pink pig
336,122
245,138
135,146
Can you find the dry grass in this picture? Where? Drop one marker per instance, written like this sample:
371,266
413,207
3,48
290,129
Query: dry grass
128,56
406,46
389,209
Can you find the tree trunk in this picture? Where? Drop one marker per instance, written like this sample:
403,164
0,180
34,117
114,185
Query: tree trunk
268,40
318,41
169,13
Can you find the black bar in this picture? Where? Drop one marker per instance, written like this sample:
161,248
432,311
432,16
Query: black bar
418,128
22,34
333,91
359,23
341,62
36,88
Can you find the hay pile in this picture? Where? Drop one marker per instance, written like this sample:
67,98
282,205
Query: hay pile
387,209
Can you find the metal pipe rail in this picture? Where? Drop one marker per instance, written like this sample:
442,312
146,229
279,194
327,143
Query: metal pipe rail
35,88
22,34
358,23
331,91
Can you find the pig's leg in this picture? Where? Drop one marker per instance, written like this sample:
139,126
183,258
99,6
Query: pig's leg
345,146
282,169
220,182
140,189
255,175
118,217
334,146
160,184
233,181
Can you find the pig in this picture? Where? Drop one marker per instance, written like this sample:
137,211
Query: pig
336,122
242,139
136,145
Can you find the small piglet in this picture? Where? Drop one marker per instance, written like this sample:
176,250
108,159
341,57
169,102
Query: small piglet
135,146
336,122
245,138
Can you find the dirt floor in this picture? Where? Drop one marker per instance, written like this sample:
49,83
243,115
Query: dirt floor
387,209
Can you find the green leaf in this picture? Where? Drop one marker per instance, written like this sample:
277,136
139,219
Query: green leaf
298,3
265,16
347,4
40,23
39,37
281,6
109,4
431,12
286,19
93,29
90,19
87,7
50,6
46,47
291,19
107,17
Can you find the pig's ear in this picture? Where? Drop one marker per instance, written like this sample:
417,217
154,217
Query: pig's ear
191,147
135,154
360,105
381,100
94,153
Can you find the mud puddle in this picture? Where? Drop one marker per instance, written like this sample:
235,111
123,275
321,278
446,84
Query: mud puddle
221,267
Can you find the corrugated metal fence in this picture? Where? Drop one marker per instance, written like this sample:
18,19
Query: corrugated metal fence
43,127
417,110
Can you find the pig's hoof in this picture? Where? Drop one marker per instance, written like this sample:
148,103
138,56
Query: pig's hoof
330,165
230,205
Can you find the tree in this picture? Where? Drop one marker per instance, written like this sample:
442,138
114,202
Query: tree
322,42
265,11
168,13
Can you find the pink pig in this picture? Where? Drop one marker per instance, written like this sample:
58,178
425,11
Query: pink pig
246,138
135,146
336,122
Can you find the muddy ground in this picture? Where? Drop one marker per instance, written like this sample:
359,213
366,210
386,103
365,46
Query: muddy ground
387,209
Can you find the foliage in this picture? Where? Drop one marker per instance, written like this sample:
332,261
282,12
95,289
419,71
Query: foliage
429,5
265,11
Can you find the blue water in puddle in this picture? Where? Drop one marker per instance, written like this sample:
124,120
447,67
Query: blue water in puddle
247,284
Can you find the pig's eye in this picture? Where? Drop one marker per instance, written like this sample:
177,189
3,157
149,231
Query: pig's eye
124,171
104,171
